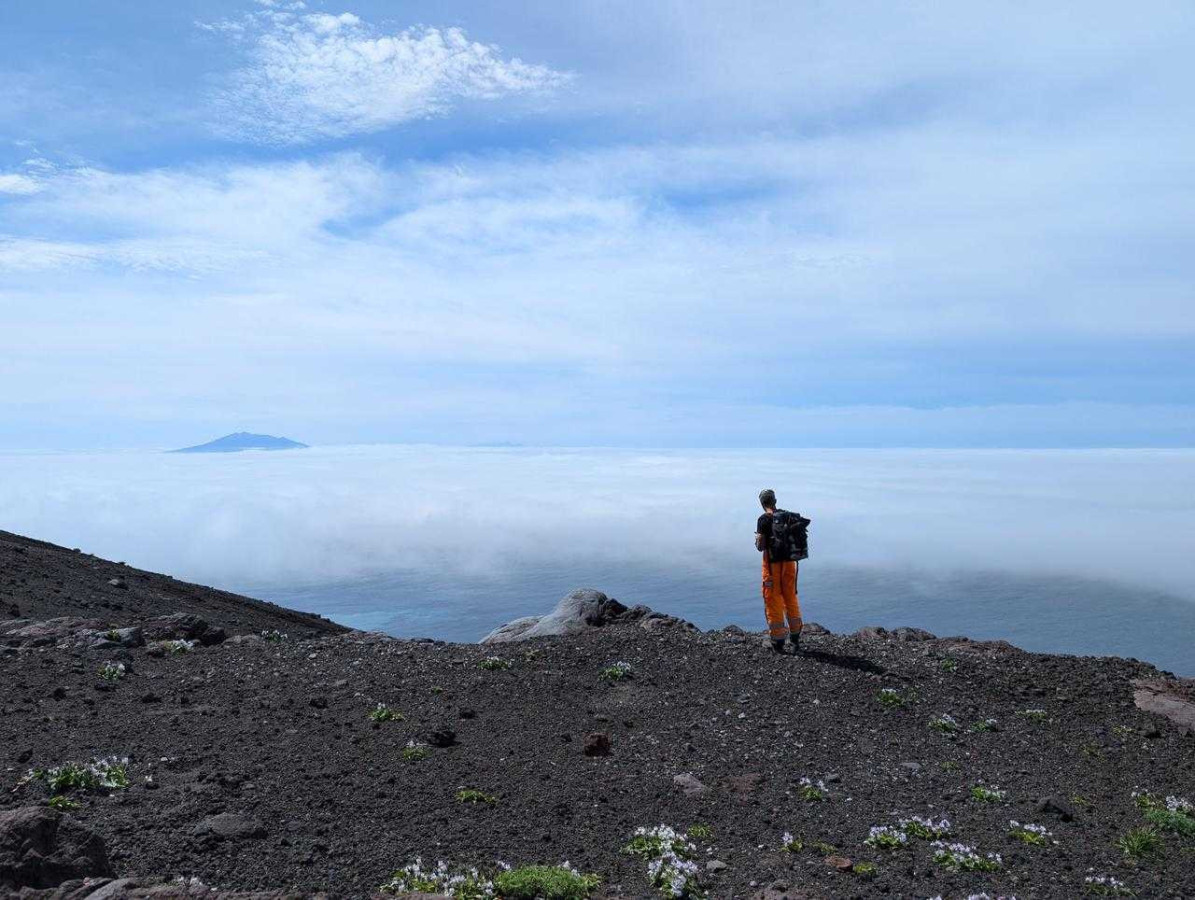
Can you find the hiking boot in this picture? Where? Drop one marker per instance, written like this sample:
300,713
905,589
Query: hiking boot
778,646
795,640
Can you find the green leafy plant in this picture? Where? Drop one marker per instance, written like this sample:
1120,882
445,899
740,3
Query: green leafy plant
950,765
175,648
274,636
823,848
112,671
460,884
63,802
669,855
790,844
700,831
948,664
926,829
866,870
472,795
812,791
986,794
383,713
414,752
885,837
1033,715
495,663
1105,886
1092,751
985,725
1176,814
1123,731
112,635
1028,833
561,882
964,858
945,723
1139,843
1168,820
98,775
619,671
891,698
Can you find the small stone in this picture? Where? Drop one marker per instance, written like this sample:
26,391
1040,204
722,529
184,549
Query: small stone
597,743
230,826
690,785
715,865
911,766
318,702
440,736
118,583
841,863
1054,807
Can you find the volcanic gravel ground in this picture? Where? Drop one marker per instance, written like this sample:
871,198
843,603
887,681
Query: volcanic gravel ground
40,581
279,733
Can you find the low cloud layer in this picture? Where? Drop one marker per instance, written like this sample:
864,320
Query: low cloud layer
325,514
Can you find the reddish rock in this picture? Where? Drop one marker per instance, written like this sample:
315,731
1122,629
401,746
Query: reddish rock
597,744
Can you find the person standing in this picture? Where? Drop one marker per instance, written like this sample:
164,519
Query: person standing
782,538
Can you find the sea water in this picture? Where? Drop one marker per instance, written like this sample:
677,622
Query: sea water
1070,551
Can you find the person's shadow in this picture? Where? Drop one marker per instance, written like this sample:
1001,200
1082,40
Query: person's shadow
844,661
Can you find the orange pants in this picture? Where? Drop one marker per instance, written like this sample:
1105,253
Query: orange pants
780,598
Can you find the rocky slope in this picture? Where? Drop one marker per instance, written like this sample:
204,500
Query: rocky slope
263,764
41,581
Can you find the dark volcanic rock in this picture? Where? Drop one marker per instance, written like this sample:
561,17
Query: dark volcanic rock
905,633
41,848
1052,806
871,633
440,735
597,743
230,827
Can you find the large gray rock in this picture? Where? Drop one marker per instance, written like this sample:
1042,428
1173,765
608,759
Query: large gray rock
41,848
1173,698
578,611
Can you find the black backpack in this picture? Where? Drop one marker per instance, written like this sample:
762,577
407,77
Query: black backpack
790,536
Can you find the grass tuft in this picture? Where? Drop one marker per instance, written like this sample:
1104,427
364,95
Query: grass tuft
1140,843
545,883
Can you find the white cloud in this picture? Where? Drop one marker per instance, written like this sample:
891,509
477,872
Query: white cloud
335,512
18,184
315,75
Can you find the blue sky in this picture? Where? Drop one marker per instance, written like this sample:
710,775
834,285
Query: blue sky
662,224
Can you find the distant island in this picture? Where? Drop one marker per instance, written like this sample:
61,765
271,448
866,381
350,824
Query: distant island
243,440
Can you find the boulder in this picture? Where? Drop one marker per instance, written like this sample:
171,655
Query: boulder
1052,806
230,827
1173,698
812,628
48,632
184,627
578,611
905,633
872,633
41,848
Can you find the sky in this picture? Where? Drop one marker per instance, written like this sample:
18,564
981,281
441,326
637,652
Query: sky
667,224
